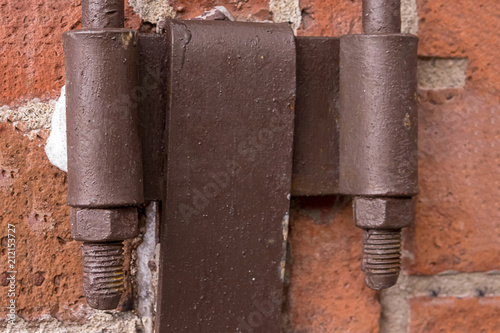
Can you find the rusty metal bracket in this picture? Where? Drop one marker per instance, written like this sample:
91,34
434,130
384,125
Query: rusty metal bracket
223,122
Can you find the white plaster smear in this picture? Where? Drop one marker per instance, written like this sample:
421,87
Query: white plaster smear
56,145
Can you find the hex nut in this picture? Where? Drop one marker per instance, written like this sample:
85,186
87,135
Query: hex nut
104,225
383,213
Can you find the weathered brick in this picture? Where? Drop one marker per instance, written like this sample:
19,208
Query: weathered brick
257,10
31,54
455,315
330,17
457,223
458,219
461,29
48,260
327,291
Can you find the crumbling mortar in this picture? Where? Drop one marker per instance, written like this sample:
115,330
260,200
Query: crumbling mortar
152,11
287,11
100,321
30,116
395,302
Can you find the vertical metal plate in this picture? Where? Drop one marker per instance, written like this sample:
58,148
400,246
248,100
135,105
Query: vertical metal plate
223,239
152,95
316,137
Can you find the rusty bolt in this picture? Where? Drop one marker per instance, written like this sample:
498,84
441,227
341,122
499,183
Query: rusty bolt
104,225
382,220
102,231
103,274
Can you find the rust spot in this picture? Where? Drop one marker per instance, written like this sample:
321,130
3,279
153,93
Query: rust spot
407,121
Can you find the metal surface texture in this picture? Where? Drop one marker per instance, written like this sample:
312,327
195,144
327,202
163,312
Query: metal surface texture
381,16
316,137
213,104
231,112
152,98
104,149
383,213
381,257
382,220
378,135
378,115
99,14
103,274
104,225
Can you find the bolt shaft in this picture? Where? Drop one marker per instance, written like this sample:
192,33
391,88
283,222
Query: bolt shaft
103,274
381,257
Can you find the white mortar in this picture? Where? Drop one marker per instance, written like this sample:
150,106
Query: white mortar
287,11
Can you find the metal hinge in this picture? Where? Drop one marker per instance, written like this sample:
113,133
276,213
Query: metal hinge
223,122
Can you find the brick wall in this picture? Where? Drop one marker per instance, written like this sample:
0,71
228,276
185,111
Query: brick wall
451,279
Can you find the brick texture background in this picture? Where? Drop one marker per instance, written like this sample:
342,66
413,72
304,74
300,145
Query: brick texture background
457,227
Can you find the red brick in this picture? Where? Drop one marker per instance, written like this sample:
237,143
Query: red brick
454,315
256,10
458,212
31,54
463,28
458,220
327,291
48,261
330,17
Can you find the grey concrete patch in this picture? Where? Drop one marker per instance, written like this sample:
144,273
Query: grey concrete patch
147,269
100,322
35,114
152,10
395,313
441,73
395,304
409,17
287,11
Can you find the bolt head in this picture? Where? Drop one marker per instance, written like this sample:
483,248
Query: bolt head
104,225
383,213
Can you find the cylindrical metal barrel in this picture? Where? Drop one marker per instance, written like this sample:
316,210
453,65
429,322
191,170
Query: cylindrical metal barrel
103,93
98,14
381,16
378,115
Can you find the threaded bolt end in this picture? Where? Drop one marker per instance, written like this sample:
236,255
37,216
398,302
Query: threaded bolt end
381,257
103,274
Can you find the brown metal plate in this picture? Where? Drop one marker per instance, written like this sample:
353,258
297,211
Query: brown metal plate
152,95
316,137
229,168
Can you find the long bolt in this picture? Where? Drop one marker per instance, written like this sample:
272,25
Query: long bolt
103,274
381,257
